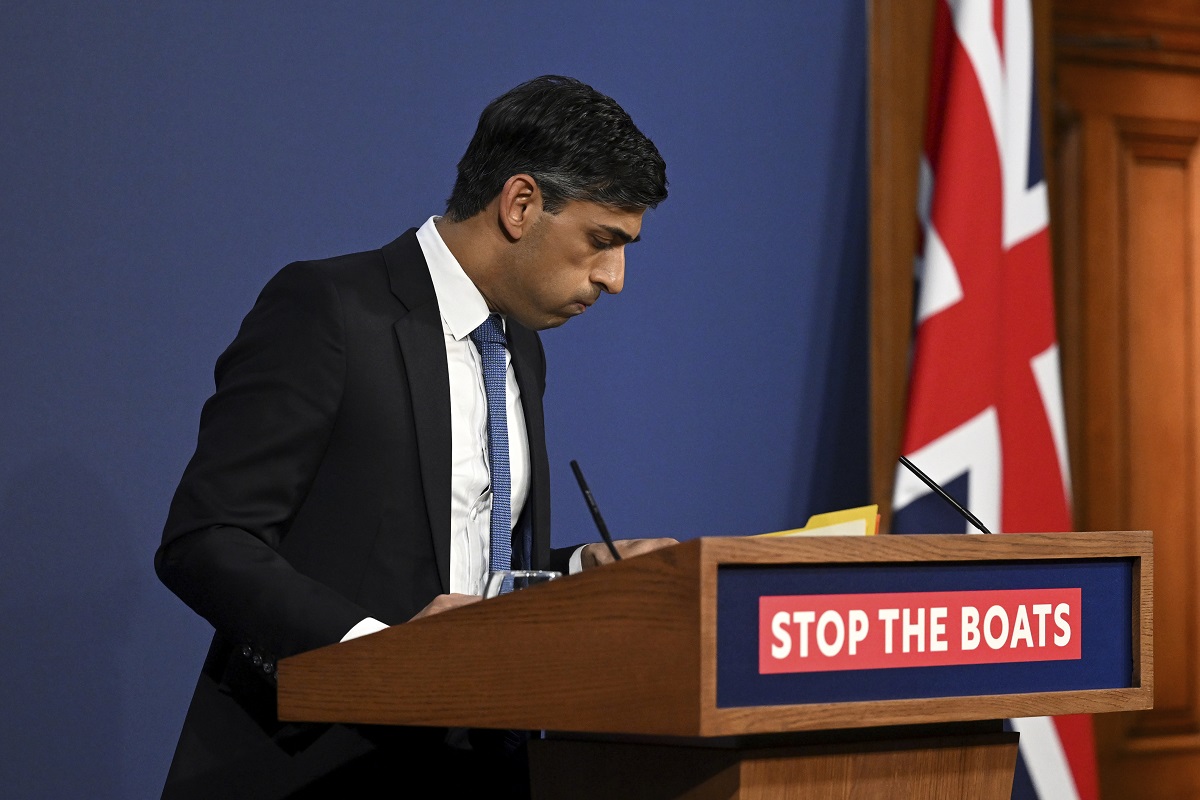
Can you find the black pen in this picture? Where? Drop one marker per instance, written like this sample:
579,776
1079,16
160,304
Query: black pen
591,502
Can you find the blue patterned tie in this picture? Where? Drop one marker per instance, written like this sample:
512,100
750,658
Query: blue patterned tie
489,338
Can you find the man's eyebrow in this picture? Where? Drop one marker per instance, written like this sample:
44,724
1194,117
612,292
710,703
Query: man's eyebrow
622,235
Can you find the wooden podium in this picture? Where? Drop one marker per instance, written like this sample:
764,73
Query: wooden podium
661,676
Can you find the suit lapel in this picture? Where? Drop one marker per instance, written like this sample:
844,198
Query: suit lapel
529,366
423,349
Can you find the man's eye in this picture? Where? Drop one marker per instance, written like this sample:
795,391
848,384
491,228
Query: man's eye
601,244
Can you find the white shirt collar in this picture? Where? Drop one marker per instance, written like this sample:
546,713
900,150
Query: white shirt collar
463,307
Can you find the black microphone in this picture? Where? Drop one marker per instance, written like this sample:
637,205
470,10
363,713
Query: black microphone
591,503
967,515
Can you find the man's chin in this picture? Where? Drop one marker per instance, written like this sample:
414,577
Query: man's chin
553,322
542,323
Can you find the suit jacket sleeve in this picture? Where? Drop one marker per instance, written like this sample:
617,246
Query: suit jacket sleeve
261,439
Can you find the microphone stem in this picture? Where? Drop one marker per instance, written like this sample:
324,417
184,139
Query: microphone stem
943,494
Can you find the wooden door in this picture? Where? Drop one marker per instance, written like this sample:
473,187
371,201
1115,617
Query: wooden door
1126,225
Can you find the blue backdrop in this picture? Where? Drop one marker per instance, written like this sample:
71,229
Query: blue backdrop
160,161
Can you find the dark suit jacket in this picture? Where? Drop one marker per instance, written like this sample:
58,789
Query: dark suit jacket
319,494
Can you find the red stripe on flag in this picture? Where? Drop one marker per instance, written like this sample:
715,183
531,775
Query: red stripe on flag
979,352
1078,741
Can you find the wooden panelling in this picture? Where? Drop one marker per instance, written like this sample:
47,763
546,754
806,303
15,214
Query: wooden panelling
1157,351
1152,33
582,770
1128,217
900,38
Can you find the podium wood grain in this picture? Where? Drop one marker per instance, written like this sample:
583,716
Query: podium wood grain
629,648
976,767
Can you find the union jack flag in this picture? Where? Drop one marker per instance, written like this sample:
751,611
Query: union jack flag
985,413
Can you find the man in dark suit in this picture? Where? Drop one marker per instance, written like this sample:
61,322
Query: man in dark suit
340,482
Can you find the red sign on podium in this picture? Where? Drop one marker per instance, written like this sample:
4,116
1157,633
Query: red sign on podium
834,632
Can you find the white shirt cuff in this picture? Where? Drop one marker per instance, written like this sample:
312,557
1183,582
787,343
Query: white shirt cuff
576,560
368,625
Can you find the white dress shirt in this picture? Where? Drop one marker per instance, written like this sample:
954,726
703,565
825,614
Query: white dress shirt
463,310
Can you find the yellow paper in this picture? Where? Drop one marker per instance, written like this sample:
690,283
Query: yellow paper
861,521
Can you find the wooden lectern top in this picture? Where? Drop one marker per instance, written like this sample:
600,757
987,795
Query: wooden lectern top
635,647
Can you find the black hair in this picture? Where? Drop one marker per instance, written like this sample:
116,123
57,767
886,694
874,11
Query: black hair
577,143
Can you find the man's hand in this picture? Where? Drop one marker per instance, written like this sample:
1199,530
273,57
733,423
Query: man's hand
595,554
445,602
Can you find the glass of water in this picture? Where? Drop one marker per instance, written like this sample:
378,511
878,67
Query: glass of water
510,580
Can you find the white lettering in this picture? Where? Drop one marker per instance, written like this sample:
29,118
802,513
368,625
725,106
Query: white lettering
914,630
829,618
888,615
1021,628
1040,610
995,613
803,619
858,628
1061,611
937,630
783,644
970,627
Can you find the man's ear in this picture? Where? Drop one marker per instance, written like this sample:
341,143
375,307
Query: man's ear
520,204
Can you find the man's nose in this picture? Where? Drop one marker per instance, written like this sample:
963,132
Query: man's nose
610,275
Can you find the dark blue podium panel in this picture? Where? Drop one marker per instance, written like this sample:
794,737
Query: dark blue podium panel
823,633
